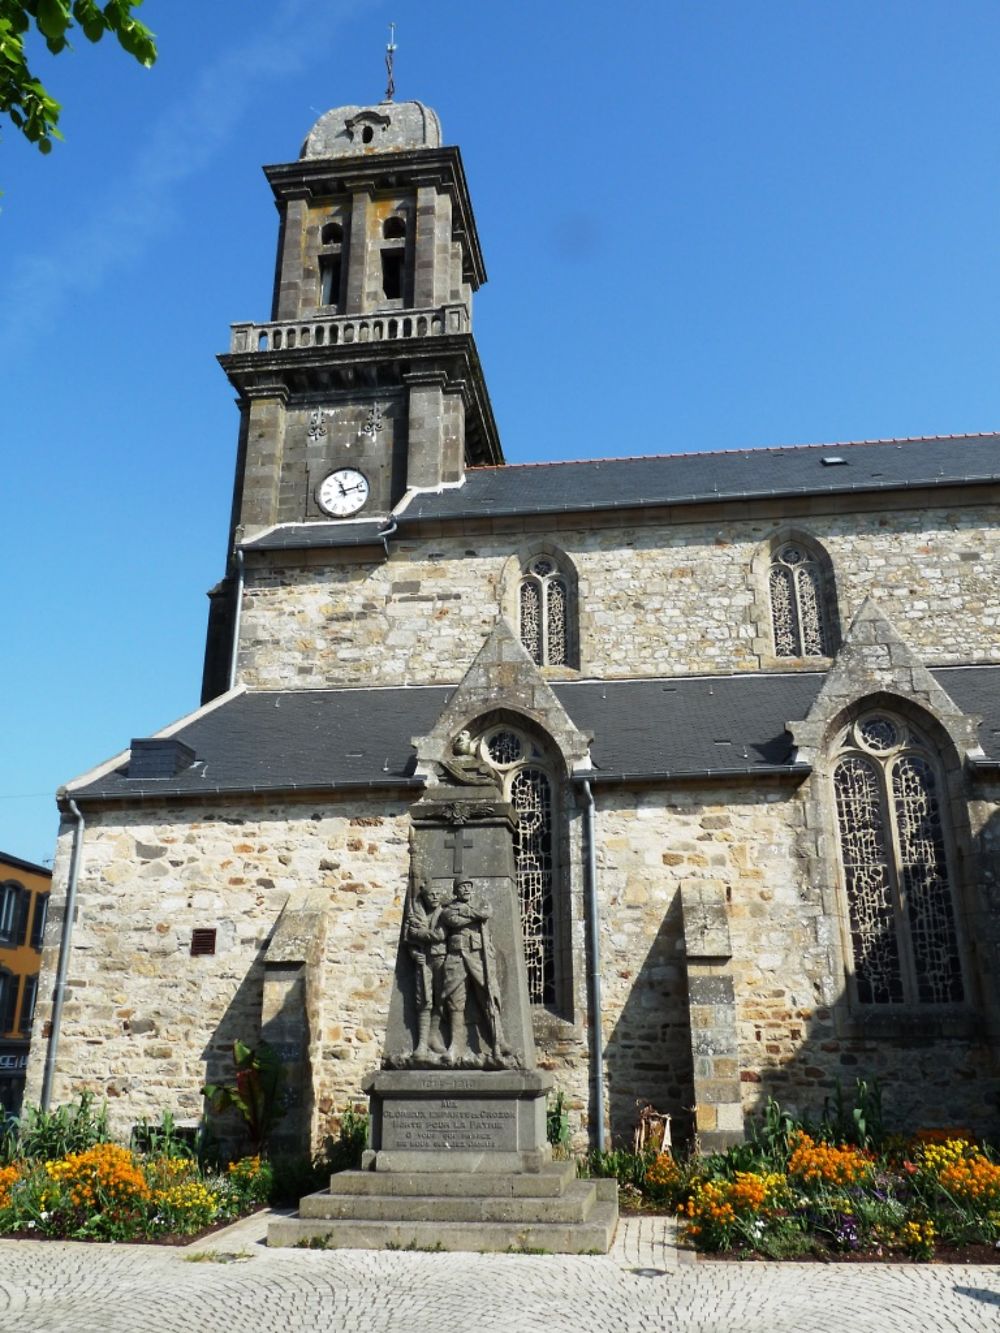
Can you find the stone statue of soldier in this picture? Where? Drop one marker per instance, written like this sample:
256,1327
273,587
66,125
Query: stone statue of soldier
470,960
425,939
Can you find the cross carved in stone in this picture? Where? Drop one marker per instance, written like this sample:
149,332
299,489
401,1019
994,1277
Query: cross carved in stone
456,842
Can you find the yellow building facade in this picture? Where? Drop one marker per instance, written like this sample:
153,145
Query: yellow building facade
24,900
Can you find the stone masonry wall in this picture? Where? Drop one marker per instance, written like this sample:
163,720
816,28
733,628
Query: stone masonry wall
145,1023
786,969
654,600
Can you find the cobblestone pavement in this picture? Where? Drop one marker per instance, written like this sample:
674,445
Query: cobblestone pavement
643,1285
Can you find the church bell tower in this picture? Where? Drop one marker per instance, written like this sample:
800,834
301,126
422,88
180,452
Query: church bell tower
365,385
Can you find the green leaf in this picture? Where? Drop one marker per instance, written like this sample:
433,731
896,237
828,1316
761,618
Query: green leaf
52,19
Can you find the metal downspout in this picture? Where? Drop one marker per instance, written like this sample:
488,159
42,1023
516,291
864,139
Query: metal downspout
386,532
234,654
594,949
65,941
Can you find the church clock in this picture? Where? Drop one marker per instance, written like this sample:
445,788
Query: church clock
343,492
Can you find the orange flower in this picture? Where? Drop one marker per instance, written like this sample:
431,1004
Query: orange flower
825,1163
8,1179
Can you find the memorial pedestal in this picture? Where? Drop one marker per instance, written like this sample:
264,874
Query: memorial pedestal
452,1120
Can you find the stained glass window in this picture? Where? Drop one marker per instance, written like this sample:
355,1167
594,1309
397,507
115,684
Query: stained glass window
529,788
800,618
531,797
901,912
544,613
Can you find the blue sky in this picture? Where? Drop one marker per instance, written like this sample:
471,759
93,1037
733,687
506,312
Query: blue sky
707,224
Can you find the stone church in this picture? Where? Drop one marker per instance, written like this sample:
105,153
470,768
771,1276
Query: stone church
745,707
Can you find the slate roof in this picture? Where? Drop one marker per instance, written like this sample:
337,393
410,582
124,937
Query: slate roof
680,479
356,738
674,479
299,536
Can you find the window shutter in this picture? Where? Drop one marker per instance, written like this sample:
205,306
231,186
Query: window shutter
8,992
23,908
38,924
28,1004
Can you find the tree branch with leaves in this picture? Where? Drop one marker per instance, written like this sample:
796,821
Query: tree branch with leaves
23,97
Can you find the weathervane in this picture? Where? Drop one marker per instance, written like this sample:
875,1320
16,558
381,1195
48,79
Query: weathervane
390,52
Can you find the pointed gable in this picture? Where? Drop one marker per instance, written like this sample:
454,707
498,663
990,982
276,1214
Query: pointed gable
874,661
503,678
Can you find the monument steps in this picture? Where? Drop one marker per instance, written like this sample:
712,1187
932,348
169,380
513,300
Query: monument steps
591,1236
552,1179
574,1205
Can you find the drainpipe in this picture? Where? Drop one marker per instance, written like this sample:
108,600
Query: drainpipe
59,991
237,617
386,532
594,949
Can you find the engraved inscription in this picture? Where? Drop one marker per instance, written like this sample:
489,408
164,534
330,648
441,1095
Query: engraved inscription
440,1125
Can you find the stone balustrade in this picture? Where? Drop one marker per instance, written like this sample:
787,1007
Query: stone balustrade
335,330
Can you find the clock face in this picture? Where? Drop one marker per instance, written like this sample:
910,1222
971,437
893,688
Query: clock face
343,492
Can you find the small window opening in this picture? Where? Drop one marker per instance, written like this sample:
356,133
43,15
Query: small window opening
394,229
332,234
367,134
330,268
392,274
202,941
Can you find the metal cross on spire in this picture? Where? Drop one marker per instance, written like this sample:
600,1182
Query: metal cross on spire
390,52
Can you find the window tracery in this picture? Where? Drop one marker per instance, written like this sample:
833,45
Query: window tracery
800,616
544,612
893,846
529,787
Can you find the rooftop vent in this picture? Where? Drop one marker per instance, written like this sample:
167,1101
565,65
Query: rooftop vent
159,757
833,460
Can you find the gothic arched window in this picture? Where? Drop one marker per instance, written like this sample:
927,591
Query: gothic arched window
801,613
894,853
544,612
529,786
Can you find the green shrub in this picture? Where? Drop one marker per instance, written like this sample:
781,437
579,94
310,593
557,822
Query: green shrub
627,1167
295,1175
858,1120
343,1153
45,1135
557,1123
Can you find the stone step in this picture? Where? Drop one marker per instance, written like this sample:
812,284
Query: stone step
573,1205
550,1181
591,1237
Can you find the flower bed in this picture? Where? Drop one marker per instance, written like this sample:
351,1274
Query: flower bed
793,1193
62,1176
108,1192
